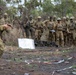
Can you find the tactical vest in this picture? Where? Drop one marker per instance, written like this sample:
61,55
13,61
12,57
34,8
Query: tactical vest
59,27
72,26
51,25
39,25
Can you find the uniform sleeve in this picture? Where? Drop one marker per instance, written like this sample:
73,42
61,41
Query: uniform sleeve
1,28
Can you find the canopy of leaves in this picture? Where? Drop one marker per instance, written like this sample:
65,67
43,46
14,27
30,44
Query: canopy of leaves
38,7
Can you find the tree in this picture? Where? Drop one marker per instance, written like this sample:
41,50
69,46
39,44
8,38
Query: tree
3,7
64,7
47,6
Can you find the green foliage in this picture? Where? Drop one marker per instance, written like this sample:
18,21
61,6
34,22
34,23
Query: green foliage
47,6
39,7
2,7
65,7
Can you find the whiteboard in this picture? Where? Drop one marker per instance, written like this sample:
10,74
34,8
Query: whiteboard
26,43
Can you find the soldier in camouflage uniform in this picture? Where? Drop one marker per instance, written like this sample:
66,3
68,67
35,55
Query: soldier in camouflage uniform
24,25
3,28
65,29
2,21
59,33
45,34
32,27
6,19
71,28
75,33
51,26
39,28
54,19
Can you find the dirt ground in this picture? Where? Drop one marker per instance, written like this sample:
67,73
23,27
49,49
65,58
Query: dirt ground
41,61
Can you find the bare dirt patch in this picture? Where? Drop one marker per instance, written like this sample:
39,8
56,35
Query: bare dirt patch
41,61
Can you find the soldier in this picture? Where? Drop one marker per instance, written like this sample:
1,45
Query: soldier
45,34
32,27
75,34
26,26
4,27
6,19
2,21
65,29
71,28
54,18
39,28
59,33
51,26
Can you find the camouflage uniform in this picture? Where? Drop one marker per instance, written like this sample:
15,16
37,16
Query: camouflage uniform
59,33
71,28
45,34
51,26
39,28
1,41
6,19
65,30
2,29
32,27
25,26
2,21
75,34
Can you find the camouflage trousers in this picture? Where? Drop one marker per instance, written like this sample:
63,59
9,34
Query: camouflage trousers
1,47
60,38
38,34
52,36
65,38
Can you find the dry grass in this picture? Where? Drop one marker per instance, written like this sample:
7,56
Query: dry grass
11,38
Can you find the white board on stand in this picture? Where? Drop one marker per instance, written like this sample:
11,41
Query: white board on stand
26,43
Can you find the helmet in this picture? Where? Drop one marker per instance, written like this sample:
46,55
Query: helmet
72,17
31,16
64,17
67,17
39,17
5,14
58,19
54,16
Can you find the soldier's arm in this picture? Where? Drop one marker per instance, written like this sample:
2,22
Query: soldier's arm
5,27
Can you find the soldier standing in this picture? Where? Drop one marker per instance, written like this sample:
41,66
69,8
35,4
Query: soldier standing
51,26
45,34
1,20
54,18
71,28
39,28
65,29
6,19
32,27
59,33
26,26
